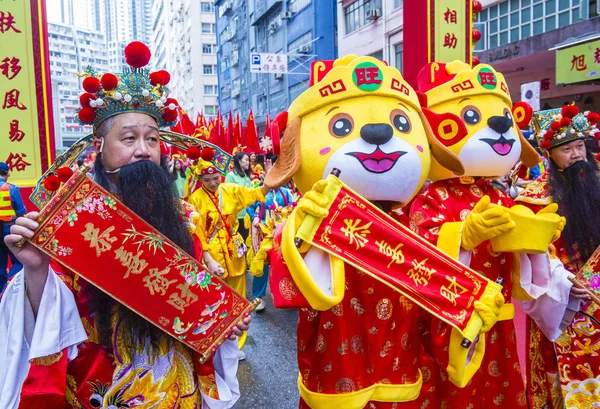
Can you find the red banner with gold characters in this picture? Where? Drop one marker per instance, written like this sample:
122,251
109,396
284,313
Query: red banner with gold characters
362,235
26,126
91,233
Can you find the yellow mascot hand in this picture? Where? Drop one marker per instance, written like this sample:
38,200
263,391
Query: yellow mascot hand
553,208
313,203
488,307
485,221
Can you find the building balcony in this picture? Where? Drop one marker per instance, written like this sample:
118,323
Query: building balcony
263,8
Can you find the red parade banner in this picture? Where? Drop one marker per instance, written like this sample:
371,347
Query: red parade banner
91,233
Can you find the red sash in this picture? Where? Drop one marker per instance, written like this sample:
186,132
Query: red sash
46,382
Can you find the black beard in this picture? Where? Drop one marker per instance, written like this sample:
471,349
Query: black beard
576,189
147,189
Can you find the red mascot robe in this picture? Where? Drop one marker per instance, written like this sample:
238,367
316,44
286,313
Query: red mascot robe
499,382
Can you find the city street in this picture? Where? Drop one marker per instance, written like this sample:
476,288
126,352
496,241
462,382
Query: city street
268,377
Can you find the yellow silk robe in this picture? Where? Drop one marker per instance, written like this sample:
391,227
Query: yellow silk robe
219,237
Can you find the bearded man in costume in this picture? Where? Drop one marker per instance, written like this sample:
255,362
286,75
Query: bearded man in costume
64,328
469,110
563,369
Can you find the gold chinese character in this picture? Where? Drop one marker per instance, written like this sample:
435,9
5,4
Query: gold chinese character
451,292
184,299
420,273
100,241
357,234
157,282
134,263
395,254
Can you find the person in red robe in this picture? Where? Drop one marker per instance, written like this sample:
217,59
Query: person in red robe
563,333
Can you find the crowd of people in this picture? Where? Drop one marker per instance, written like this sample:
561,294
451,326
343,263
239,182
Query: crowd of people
67,343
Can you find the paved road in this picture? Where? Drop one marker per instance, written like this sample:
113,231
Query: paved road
268,377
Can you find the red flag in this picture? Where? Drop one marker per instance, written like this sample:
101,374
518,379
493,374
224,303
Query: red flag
267,133
237,133
200,120
251,136
185,125
228,143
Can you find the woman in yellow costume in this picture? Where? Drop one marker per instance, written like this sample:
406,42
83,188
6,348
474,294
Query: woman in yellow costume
217,228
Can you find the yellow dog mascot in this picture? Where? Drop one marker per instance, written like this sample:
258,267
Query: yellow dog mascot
358,340
471,113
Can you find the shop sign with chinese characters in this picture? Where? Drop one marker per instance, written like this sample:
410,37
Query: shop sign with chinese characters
450,28
578,63
267,63
26,141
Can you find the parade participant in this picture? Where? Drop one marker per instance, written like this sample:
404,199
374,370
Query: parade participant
278,204
11,207
563,333
241,175
469,110
358,337
219,205
82,348
177,172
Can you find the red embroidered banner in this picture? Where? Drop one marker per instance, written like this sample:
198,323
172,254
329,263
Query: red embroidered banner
91,233
362,235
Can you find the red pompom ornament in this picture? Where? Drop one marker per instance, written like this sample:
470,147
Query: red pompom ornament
546,144
109,81
170,115
171,101
565,121
476,35
166,77
52,183
156,78
555,126
476,6
193,152
593,117
476,62
598,157
91,84
208,154
569,111
64,173
549,135
137,54
85,98
86,115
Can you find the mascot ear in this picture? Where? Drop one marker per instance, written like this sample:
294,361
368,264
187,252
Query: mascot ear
277,126
442,154
522,113
288,162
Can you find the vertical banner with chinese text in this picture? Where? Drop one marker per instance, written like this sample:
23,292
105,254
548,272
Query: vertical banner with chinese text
26,136
435,30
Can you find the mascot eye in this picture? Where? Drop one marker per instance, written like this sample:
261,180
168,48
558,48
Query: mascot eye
400,120
508,116
96,400
341,125
471,115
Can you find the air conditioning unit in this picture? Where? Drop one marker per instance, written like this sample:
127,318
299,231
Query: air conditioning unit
278,76
373,14
286,15
305,49
273,26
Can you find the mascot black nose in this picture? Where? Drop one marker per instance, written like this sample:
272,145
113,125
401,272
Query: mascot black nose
377,134
500,124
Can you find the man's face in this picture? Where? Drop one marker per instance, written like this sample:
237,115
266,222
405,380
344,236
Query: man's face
568,154
133,137
211,182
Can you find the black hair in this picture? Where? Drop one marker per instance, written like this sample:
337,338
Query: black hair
237,168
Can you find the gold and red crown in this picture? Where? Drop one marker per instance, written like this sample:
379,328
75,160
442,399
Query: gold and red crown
445,82
136,89
555,127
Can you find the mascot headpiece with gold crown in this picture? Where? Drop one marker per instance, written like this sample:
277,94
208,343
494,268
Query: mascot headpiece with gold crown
361,117
471,113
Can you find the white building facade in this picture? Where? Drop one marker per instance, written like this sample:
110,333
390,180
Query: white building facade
184,43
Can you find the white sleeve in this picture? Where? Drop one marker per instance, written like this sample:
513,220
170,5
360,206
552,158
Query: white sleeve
554,309
58,326
225,361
